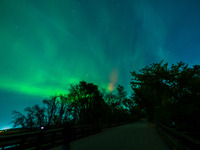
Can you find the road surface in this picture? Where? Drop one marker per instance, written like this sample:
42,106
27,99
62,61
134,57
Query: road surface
136,136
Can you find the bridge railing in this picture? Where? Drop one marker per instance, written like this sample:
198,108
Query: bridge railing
40,139
178,140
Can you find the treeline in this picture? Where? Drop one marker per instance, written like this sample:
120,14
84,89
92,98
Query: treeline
84,104
170,95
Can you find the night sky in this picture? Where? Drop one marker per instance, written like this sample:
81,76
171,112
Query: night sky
46,45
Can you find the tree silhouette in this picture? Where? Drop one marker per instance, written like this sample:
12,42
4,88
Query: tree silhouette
39,115
169,94
84,104
30,122
51,110
86,101
120,96
19,119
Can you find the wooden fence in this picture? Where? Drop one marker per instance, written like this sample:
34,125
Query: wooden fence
44,139
178,140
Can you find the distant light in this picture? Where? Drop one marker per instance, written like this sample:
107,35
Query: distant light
42,128
5,128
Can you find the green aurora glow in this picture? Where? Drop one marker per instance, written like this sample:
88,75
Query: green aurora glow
40,54
48,45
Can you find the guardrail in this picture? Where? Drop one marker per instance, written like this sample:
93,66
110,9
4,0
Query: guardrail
44,139
178,140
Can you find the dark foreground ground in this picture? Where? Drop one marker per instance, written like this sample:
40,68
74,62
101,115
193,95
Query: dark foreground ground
137,136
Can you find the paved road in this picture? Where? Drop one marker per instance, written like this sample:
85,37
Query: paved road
137,136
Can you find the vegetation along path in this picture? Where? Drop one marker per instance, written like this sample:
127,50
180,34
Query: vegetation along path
139,136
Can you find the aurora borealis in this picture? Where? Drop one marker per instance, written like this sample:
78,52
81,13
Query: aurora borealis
46,45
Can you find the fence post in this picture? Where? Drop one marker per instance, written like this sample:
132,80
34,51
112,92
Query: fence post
22,142
39,143
83,131
53,138
67,137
